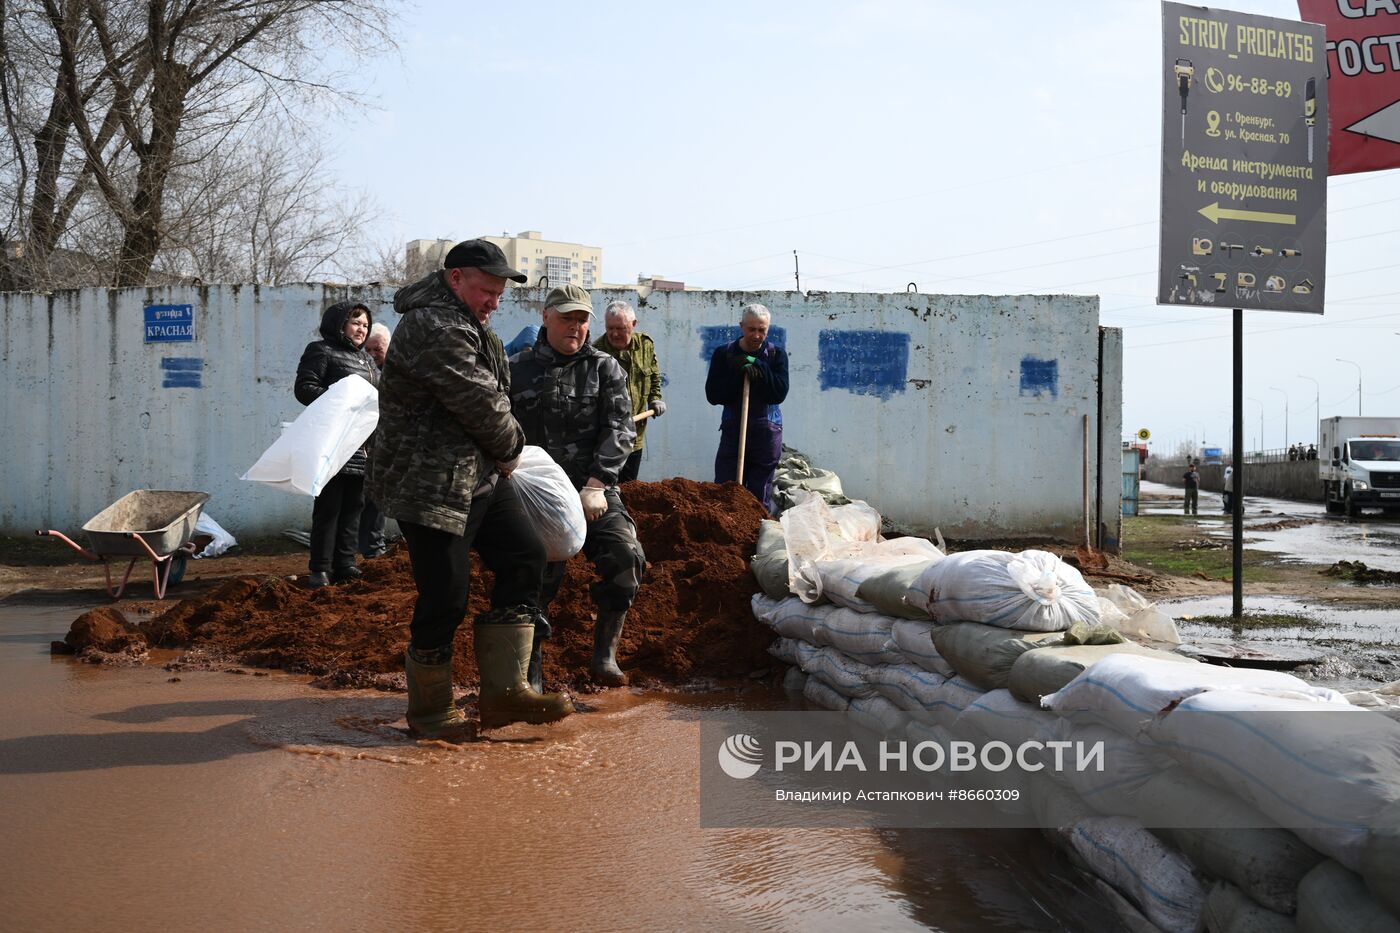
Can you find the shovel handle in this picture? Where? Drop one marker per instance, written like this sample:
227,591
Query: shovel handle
743,431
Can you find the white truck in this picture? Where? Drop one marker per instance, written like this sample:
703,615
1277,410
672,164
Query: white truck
1359,461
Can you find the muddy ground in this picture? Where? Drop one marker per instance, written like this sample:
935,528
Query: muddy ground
691,625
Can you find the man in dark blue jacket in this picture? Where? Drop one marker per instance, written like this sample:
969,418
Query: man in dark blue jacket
764,367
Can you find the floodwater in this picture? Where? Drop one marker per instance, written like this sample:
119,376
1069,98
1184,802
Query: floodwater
131,798
1321,538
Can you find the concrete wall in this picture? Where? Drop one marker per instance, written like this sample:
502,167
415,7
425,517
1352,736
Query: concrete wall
952,411
1288,479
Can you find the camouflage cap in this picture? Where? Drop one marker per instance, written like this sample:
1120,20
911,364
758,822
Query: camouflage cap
569,298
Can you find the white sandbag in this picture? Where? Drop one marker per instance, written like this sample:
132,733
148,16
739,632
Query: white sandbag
1141,620
1327,772
865,636
1032,591
997,716
895,591
791,617
816,532
950,699
769,564
984,653
1222,836
785,650
840,580
844,675
323,438
1333,900
794,680
221,539
879,715
915,641
1228,910
1127,683
911,688
1156,879
1048,669
1127,767
1380,857
551,503
820,693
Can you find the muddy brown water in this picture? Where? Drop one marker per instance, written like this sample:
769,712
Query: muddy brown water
218,801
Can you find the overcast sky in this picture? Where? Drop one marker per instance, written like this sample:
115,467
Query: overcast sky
968,147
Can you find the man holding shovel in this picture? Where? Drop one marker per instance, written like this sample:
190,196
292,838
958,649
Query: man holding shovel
749,377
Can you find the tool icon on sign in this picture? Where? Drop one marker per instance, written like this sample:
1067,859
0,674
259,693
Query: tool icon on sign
1229,248
1184,71
1304,287
1219,280
1275,284
1244,280
1291,252
1201,246
1261,251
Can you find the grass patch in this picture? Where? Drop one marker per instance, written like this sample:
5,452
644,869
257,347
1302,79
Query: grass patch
1255,620
1153,541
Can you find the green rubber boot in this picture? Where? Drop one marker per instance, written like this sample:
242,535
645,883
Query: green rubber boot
431,712
503,660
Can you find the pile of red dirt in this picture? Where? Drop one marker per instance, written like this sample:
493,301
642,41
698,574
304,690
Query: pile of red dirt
692,620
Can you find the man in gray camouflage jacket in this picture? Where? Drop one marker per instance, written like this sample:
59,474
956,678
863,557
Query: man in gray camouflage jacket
571,399
444,451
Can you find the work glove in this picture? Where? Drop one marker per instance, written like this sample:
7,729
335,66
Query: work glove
658,408
507,467
594,502
752,370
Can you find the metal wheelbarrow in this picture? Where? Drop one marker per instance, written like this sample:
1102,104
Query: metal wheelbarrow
152,523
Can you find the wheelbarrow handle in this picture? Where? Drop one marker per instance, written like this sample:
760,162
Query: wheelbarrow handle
145,546
68,541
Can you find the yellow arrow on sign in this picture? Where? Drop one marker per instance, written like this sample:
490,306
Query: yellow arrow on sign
1215,213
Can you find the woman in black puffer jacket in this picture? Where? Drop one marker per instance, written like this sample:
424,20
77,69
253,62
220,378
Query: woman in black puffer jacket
335,518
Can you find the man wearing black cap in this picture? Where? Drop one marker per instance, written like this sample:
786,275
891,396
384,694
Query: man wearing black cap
444,450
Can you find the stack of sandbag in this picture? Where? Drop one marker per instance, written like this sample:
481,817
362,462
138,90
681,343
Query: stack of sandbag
1266,819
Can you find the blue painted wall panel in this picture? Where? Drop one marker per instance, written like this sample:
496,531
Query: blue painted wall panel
1040,377
865,362
714,337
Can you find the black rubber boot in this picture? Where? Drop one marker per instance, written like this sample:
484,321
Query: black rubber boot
535,675
503,660
346,574
431,712
607,632
318,579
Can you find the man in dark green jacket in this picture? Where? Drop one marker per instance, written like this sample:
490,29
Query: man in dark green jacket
444,451
636,353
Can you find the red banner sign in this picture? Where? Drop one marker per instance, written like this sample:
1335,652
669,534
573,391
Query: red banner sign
1363,81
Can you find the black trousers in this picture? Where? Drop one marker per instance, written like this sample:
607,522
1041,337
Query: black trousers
507,543
611,544
630,468
372,524
335,523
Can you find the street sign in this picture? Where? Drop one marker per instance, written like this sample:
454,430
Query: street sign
169,323
1363,82
1143,434
1244,161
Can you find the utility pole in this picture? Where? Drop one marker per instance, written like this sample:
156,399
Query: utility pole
1285,414
796,272
1317,396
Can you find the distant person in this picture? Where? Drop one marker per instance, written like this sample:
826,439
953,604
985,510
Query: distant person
335,516
1227,494
1312,451
763,367
372,522
571,399
1192,480
636,354
446,446
1293,452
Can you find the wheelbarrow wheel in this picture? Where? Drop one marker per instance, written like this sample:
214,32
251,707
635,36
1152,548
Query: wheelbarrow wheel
177,569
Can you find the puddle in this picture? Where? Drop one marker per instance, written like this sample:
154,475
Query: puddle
1365,641
131,798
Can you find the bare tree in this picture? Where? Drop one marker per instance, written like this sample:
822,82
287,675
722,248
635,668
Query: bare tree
136,92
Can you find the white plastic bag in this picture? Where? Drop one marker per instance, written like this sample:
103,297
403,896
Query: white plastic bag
550,502
815,532
314,447
222,539
1143,620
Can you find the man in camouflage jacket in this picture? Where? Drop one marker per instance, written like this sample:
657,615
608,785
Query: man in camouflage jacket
636,353
444,450
571,399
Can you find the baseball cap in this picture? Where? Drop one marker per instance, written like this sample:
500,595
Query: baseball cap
569,298
483,255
